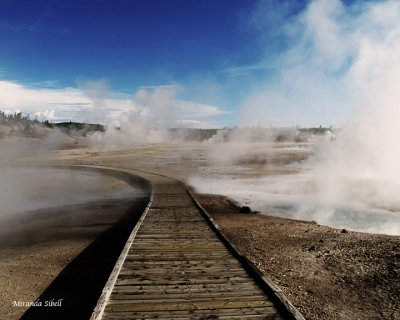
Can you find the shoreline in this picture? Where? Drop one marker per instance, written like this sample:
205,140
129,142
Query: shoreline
327,273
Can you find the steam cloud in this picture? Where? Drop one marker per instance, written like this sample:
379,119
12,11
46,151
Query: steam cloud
338,56
361,168
148,117
343,63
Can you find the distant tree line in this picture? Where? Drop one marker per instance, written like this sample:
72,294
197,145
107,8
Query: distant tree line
23,124
16,118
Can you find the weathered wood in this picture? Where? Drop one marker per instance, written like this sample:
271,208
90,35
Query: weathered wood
209,305
176,267
243,313
191,288
181,257
183,295
194,275
183,281
181,298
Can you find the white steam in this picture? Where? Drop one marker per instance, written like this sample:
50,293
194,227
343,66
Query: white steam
148,117
29,188
337,54
343,63
361,167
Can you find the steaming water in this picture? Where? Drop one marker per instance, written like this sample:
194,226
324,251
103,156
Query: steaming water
24,189
298,196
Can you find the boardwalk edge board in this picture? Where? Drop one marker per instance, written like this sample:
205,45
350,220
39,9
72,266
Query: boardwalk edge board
107,290
269,287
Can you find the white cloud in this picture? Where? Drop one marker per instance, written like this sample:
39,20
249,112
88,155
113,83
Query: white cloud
165,86
45,115
188,123
197,110
67,102
94,101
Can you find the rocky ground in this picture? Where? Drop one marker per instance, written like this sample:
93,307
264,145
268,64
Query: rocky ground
326,273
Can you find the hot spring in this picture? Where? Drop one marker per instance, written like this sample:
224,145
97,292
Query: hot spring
29,188
355,205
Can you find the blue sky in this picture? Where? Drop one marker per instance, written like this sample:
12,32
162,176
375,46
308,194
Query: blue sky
130,43
236,56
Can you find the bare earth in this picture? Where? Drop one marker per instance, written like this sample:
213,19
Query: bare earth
61,253
325,273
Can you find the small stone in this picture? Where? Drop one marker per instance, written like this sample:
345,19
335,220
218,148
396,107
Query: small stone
344,231
312,248
245,209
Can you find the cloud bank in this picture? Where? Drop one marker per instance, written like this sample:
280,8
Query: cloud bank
94,101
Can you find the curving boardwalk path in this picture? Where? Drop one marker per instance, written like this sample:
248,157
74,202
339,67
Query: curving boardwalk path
175,266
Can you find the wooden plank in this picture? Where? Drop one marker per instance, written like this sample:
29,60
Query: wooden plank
173,265
243,313
180,274
182,268
158,275
168,232
162,281
187,296
181,298
201,288
137,249
186,293
181,257
183,242
179,241
132,307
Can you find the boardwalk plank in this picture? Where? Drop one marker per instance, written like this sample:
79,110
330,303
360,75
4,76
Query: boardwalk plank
244,313
130,306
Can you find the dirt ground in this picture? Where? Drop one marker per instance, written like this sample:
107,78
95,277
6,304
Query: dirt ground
326,273
61,253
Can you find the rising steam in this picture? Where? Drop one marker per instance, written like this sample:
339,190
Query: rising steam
344,60
148,117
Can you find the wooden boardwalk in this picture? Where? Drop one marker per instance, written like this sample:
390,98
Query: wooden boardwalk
175,266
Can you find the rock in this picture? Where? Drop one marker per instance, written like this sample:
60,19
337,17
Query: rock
245,209
312,248
344,231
